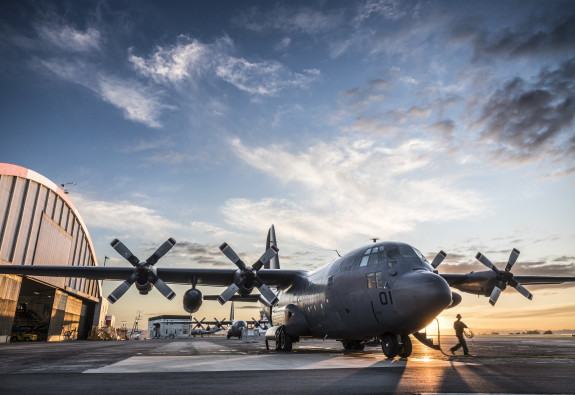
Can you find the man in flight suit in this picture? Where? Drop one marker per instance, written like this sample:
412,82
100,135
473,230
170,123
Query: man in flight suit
459,326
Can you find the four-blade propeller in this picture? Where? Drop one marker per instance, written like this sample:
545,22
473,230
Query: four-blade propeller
503,278
247,277
145,273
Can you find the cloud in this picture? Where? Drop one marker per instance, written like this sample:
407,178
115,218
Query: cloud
124,217
551,33
348,187
291,19
177,63
203,254
189,60
388,9
137,102
527,122
68,38
444,128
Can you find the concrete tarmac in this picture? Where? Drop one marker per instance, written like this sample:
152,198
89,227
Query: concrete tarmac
499,364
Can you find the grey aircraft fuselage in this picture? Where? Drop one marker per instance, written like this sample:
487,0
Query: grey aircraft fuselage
236,329
376,289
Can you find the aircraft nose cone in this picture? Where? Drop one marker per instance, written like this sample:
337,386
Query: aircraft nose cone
420,297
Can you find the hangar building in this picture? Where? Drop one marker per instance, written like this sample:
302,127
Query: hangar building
39,225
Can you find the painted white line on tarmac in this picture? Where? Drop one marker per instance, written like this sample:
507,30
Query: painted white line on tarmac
217,363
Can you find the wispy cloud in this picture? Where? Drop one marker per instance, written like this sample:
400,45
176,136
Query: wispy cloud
68,38
289,19
138,102
189,60
124,217
346,188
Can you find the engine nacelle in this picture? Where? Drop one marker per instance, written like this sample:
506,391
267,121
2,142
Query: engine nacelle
193,300
144,288
478,283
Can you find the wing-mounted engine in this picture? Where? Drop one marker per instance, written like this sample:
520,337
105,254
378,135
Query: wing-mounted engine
492,282
503,278
145,273
246,277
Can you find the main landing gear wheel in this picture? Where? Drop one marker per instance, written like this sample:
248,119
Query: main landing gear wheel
285,342
389,345
405,348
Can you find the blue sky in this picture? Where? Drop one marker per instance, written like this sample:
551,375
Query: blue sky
447,125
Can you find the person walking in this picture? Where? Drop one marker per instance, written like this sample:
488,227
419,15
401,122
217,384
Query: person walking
459,326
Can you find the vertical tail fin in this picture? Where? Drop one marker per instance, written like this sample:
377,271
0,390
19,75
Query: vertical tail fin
274,263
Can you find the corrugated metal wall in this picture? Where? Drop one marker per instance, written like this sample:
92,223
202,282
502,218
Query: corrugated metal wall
38,226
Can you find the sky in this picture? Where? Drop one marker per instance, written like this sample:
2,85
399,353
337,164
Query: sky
444,124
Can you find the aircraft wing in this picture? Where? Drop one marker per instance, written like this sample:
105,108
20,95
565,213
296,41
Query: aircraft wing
454,279
204,276
491,283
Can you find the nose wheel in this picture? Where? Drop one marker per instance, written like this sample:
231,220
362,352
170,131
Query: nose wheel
391,347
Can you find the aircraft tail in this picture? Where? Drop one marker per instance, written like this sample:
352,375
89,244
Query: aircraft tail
274,263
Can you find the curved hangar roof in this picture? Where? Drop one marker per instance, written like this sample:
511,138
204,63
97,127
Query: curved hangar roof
39,225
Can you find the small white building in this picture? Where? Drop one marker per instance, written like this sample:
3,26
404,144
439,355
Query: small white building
170,326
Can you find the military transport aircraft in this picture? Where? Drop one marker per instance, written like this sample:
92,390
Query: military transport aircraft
199,330
235,327
385,290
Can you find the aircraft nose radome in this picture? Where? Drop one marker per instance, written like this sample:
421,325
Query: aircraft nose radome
420,297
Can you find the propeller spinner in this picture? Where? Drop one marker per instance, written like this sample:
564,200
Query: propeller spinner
504,278
145,273
247,277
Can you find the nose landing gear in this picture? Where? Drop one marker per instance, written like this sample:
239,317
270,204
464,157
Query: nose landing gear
394,345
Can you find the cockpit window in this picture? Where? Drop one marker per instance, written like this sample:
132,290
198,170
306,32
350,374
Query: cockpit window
373,256
422,263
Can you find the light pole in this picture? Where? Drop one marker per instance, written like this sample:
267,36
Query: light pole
105,259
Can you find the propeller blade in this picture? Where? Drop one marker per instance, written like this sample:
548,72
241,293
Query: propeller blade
163,288
161,251
265,258
438,259
124,251
268,294
228,293
483,259
512,259
199,323
232,256
523,291
122,289
494,295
